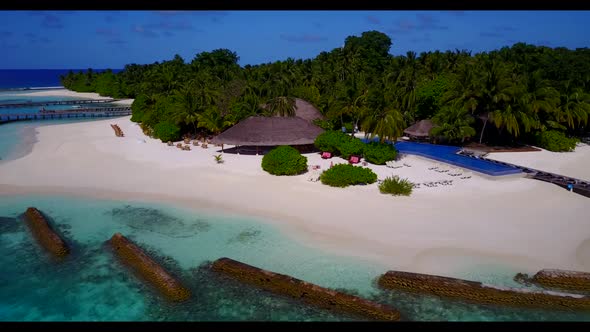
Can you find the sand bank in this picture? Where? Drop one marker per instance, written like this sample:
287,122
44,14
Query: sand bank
519,223
72,94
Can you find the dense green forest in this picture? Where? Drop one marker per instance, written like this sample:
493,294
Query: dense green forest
519,94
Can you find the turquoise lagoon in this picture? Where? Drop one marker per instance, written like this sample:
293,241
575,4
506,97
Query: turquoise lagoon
91,285
17,138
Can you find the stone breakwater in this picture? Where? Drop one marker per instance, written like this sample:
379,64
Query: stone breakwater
476,292
44,234
301,290
131,255
559,279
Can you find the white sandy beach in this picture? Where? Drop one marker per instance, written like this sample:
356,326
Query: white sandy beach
522,224
574,164
72,94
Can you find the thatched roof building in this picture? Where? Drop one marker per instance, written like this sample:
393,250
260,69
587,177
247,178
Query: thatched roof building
270,131
420,129
276,130
306,110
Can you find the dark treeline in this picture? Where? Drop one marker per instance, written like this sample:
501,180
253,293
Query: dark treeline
518,94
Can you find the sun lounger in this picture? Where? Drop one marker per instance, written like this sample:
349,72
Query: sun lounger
354,159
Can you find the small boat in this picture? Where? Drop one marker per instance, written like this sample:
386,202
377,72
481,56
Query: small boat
77,106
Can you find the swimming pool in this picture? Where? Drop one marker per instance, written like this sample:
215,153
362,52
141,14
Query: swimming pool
448,154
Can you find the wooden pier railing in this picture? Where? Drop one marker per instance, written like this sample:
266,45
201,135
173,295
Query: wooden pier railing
59,102
65,114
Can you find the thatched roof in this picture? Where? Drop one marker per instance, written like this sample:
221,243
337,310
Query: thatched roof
304,110
420,129
270,131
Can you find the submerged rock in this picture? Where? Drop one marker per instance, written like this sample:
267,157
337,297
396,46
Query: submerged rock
154,220
246,236
9,225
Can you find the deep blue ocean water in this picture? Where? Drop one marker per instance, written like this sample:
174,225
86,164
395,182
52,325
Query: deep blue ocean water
33,78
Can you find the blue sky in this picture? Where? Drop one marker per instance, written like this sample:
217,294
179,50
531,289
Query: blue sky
111,39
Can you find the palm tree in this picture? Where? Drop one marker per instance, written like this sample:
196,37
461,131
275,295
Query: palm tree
386,123
454,123
574,107
187,106
482,92
281,106
212,120
351,101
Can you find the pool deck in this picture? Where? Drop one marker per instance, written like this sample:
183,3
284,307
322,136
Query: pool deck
449,155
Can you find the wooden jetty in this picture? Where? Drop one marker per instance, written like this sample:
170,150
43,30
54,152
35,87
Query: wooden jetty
578,186
59,102
66,114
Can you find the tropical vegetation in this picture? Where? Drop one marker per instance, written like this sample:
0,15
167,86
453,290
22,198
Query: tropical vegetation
344,175
556,141
379,153
339,144
284,160
506,96
395,186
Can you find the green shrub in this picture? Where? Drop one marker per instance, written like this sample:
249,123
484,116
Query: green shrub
350,146
138,108
349,127
284,160
166,131
555,141
324,124
396,186
344,175
379,153
147,130
339,143
329,141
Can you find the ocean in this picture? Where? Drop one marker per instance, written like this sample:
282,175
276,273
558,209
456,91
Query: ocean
18,79
91,285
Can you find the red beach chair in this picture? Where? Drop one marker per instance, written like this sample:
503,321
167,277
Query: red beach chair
354,159
326,155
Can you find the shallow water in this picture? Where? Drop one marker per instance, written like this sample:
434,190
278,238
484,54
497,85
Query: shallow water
17,138
92,285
